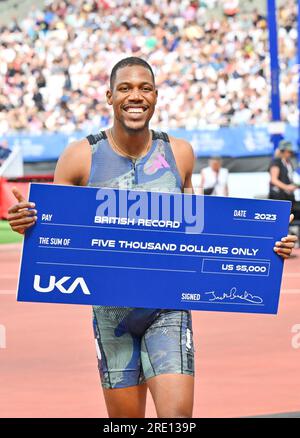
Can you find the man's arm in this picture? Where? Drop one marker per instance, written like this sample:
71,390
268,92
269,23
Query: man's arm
285,246
185,161
72,168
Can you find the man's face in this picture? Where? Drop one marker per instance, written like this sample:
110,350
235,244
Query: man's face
133,97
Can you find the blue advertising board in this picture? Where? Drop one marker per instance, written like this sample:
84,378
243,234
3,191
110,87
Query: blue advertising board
239,141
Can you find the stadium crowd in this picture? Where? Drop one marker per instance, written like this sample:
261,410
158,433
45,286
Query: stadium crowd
55,63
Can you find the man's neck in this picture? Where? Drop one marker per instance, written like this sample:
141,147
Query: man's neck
132,142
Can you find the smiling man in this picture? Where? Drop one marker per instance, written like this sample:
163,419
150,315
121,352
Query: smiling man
137,348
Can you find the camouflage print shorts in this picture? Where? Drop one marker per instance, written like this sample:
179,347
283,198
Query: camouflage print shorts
136,344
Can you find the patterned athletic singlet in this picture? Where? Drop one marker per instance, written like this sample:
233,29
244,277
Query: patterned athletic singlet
134,344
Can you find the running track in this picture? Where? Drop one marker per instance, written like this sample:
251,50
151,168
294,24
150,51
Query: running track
246,364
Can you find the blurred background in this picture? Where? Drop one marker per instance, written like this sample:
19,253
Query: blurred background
228,82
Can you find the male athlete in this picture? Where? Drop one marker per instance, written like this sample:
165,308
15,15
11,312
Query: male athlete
137,348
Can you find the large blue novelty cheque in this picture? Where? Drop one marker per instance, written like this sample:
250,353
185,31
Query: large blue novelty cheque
154,250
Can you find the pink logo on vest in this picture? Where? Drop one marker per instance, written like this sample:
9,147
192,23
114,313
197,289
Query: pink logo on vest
158,163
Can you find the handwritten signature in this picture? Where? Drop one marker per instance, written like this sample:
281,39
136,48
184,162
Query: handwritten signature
234,294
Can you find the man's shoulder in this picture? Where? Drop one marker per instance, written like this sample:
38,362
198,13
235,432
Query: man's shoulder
74,164
77,146
181,143
78,143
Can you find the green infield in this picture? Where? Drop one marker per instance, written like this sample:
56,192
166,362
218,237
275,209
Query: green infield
8,236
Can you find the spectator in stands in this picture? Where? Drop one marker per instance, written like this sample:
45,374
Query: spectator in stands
281,176
4,151
214,178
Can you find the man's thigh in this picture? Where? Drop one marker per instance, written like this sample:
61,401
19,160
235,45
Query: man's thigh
126,402
167,354
173,395
118,352
167,345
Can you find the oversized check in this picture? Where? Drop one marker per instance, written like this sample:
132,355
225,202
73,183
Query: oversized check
154,250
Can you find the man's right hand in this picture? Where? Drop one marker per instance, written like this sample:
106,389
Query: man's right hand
19,216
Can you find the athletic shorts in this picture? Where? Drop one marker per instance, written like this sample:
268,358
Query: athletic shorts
136,344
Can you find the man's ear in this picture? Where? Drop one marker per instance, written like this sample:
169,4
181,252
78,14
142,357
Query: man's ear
109,97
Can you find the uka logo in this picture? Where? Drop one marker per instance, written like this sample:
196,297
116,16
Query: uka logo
60,285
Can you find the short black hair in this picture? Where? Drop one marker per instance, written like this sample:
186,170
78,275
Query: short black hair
128,62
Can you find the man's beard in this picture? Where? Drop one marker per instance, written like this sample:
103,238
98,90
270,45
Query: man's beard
134,130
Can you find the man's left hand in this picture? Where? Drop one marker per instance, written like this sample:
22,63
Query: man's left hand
285,247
